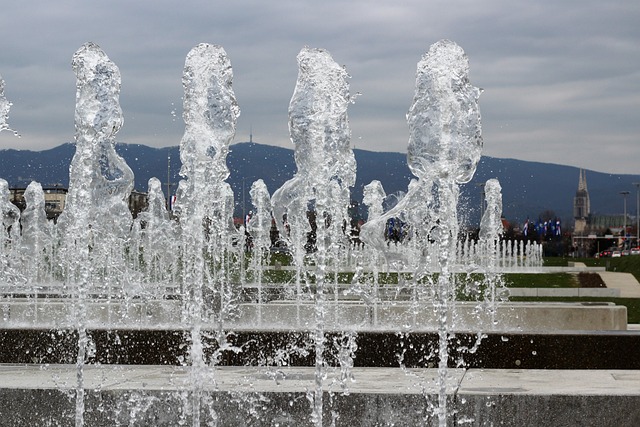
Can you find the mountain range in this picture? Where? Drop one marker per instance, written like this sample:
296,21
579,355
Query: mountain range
528,188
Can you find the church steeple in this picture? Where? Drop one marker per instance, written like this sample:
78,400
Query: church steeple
582,183
581,203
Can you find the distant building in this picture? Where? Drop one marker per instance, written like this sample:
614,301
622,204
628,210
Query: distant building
55,197
585,221
590,229
138,202
54,200
581,204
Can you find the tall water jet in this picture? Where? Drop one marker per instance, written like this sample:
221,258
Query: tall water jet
259,224
445,145
259,227
155,235
373,197
204,200
9,236
37,249
491,222
319,128
96,221
489,241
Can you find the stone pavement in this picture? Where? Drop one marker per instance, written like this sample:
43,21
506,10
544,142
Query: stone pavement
626,282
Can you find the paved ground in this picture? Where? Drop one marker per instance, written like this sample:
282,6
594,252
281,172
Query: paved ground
288,379
238,396
626,282
628,285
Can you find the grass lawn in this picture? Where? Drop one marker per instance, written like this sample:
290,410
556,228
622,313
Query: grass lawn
542,280
628,264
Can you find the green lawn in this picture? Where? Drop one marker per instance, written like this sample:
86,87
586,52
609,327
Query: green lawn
629,264
541,280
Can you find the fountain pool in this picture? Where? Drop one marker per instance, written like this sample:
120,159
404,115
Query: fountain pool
170,319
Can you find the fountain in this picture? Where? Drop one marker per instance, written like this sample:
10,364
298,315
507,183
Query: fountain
183,319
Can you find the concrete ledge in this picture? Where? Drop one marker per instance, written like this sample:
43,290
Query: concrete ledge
300,316
152,395
575,264
565,292
549,398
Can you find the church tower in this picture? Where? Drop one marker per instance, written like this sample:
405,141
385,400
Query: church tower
581,204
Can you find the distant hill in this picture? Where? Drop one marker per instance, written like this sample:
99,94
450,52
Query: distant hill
529,188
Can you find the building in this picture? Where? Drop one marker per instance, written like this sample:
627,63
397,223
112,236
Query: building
55,197
581,204
54,200
592,231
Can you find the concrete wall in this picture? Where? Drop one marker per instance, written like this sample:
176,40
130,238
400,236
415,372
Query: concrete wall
344,315
385,397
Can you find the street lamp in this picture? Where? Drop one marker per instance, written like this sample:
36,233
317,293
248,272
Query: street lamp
624,228
637,184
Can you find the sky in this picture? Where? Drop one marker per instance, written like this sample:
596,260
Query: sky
561,79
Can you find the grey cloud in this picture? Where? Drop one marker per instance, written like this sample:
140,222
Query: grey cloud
555,74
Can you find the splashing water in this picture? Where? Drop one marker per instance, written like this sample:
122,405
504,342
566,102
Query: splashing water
9,235
489,239
445,146
155,234
5,106
491,223
192,260
259,228
326,167
37,243
204,200
445,139
96,219
373,198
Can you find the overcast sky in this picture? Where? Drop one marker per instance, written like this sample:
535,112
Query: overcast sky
561,79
